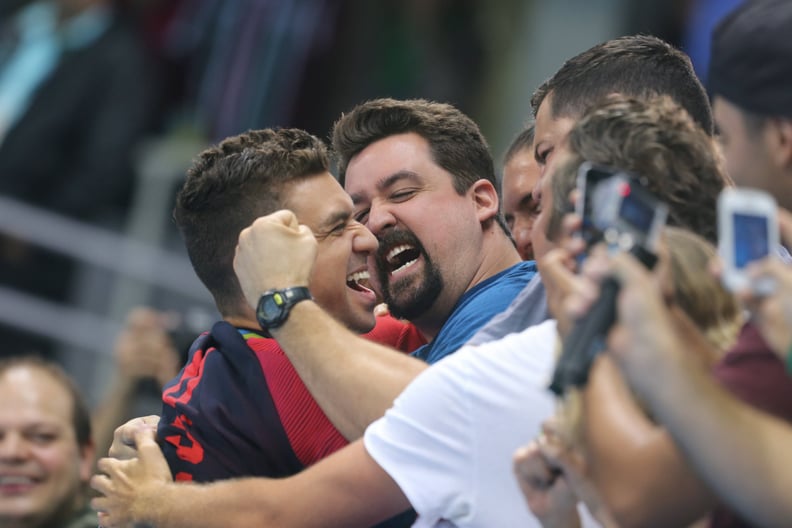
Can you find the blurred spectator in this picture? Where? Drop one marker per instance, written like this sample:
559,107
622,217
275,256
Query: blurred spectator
520,176
143,351
77,93
46,452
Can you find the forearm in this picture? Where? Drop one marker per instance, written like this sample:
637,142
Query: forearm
354,380
641,475
749,443
242,502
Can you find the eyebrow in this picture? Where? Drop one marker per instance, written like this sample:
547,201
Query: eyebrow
389,182
335,218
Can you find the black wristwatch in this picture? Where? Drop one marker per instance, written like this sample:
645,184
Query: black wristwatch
274,305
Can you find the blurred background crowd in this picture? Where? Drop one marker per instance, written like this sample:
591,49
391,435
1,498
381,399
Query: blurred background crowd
104,102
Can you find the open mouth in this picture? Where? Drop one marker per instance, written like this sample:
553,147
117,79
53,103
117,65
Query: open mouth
401,257
14,484
359,281
16,479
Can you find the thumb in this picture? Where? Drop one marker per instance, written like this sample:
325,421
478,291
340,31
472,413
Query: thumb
286,217
146,442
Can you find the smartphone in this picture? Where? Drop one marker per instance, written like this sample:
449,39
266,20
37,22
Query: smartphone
747,231
588,178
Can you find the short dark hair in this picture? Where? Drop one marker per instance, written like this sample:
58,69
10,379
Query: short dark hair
81,417
639,66
654,140
524,140
455,141
228,187
751,58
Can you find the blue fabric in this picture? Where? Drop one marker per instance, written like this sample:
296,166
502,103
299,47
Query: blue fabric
527,309
476,307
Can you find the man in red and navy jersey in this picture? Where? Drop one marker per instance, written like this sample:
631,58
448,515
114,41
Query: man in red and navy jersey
238,408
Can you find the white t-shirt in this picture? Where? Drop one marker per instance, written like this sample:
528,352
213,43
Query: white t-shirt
449,438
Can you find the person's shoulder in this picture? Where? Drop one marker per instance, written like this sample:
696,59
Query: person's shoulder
86,518
396,333
526,267
518,275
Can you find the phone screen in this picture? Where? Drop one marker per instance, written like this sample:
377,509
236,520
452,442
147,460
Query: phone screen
750,238
593,177
637,213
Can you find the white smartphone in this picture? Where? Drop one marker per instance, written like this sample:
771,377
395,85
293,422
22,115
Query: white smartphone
747,231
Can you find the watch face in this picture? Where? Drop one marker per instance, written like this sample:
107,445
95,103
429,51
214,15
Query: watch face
274,306
271,307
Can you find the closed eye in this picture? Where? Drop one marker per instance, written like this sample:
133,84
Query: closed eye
361,216
542,155
402,195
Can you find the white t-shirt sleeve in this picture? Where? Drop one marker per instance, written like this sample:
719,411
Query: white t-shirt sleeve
423,442
449,438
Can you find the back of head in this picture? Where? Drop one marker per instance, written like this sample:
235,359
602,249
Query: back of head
455,141
751,63
523,141
228,187
639,66
701,295
654,140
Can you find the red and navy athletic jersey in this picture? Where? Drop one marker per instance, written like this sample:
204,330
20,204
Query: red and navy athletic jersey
238,407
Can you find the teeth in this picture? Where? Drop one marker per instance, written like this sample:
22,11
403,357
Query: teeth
395,251
405,265
358,276
15,481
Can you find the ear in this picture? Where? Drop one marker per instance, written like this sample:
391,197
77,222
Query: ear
779,130
87,459
485,199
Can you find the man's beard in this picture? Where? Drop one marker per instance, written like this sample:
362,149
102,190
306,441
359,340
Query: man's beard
404,301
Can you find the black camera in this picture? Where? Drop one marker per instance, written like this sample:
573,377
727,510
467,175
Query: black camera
620,211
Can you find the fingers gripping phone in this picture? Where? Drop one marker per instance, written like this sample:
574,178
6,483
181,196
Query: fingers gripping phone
747,231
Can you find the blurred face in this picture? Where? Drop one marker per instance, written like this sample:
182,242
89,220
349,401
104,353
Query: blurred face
429,236
550,151
520,176
746,156
549,132
544,195
340,277
42,469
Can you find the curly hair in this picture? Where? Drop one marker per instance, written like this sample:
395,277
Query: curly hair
657,141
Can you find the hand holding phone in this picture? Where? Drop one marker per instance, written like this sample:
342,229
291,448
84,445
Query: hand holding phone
747,231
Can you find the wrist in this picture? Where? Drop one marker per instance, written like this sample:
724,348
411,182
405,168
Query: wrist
274,306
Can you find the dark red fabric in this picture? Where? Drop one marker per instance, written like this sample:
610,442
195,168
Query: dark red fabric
238,408
754,374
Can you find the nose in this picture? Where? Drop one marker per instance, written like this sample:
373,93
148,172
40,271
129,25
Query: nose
12,447
364,240
379,218
522,236
536,192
